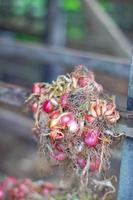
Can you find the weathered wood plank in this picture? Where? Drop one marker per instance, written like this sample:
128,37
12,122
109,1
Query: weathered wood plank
17,123
64,56
12,95
55,33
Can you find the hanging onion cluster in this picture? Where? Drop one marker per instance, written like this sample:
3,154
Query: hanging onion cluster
75,121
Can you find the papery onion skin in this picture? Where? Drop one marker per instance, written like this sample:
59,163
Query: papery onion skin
59,156
91,138
89,118
36,88
63,100
56,135
94,164
81,161
53,123
73,126
54,114
83,81
66,118
34,107
59,146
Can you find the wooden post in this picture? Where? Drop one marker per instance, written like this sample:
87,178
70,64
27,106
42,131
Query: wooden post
126,172
55,35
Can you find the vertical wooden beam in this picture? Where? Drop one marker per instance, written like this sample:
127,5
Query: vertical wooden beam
126,172
55,35
51,22
55,24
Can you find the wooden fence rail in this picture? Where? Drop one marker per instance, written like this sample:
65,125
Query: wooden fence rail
63,56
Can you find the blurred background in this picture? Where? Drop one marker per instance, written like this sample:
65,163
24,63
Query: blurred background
40,39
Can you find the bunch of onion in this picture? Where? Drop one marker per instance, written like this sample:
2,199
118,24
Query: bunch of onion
20,189
75,122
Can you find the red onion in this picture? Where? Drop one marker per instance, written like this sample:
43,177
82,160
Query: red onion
59,146
47,106
27,182
56,135
2,194
9,182
60,156
36,88
63,100
73,126
81,161
94,164
45,191
91,138
83,81
21,189
66,118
